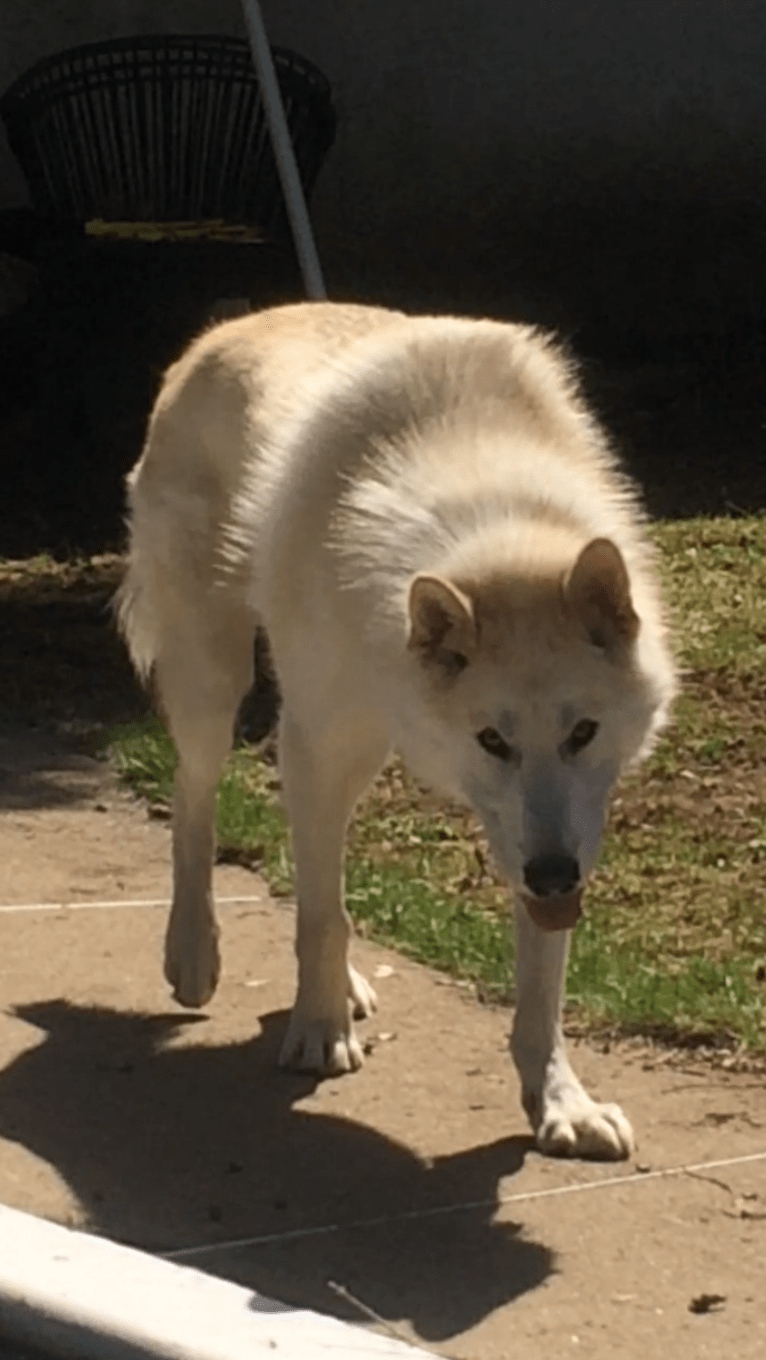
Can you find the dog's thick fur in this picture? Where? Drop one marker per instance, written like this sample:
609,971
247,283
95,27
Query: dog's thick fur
448,563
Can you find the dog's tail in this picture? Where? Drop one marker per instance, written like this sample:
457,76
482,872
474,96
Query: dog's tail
178,512
135,602
180,497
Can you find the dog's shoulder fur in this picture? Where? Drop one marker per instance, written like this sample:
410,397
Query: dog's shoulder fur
378,445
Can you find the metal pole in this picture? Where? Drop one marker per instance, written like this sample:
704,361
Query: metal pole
295,201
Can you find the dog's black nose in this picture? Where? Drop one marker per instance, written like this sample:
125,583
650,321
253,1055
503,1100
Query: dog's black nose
546,875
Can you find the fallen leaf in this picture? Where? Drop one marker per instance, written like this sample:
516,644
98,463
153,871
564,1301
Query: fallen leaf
707,1303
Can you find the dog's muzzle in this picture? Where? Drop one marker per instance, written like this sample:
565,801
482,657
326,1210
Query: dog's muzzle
554,900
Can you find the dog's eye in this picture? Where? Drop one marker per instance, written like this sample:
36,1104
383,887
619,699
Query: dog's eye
495,745
456,662
582,735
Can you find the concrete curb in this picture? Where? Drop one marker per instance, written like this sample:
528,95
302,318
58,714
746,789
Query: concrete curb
72,1295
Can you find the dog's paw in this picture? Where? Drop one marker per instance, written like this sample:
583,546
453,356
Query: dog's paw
573,1125
325,1045
192,963
363,998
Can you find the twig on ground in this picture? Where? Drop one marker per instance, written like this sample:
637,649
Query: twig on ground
394,1332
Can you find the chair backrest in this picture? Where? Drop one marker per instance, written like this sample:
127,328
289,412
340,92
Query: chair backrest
163,128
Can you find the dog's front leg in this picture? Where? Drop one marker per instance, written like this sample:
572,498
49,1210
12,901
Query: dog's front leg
323,774
565,1119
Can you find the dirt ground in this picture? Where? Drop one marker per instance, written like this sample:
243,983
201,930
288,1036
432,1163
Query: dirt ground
413,1185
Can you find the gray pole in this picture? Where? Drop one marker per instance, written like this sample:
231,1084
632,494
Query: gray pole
300,222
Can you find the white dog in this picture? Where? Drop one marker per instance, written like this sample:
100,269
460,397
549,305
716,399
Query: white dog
448,563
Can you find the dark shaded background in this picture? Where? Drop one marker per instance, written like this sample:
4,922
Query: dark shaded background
80,364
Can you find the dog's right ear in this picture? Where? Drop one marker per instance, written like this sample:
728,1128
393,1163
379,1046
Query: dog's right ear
598,590
442,623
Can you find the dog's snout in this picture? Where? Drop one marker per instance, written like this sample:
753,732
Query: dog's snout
546,875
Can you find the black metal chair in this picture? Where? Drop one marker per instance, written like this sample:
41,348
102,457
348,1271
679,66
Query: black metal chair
163,129
156,194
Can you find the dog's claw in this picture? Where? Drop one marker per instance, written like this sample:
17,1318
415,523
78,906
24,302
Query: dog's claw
363,998
321,1046
326,1043
588,1130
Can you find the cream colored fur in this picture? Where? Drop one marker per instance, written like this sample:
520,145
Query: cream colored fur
433,532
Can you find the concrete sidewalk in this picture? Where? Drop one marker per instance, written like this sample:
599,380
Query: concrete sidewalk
79,1296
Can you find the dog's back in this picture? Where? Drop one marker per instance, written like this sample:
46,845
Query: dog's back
234,383
265,422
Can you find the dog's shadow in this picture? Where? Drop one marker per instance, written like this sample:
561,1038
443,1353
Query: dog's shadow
167,1144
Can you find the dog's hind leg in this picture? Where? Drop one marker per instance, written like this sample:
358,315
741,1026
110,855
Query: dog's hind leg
323,774
200,680
565,1119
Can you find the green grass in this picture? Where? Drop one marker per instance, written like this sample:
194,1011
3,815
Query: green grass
673,943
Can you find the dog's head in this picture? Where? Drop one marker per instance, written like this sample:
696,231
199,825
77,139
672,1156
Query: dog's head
533,689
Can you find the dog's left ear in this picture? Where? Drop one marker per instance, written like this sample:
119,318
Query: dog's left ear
598,591
442,623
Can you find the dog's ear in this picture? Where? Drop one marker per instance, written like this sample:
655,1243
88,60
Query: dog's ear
442,624
598,592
